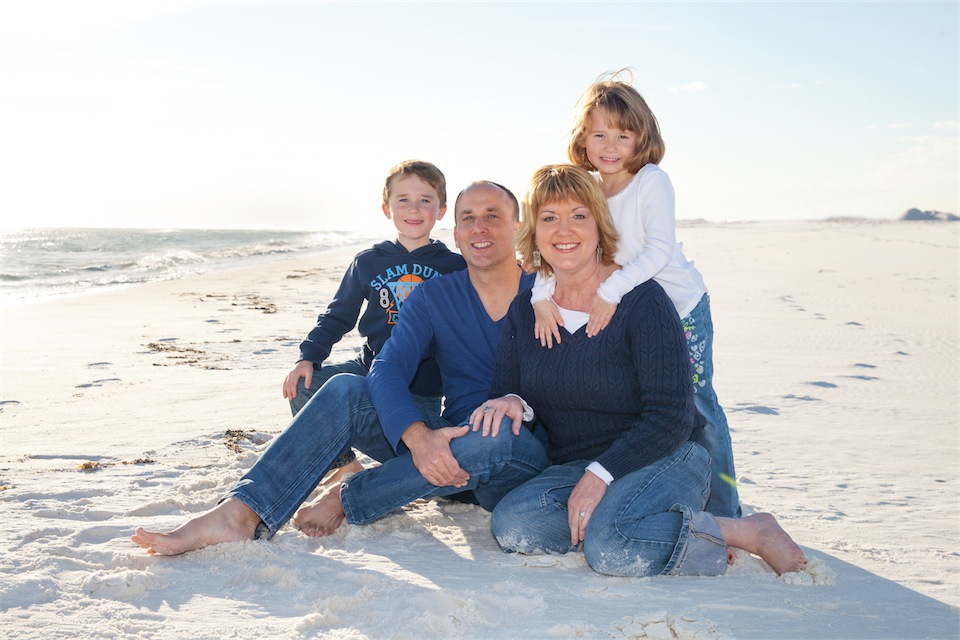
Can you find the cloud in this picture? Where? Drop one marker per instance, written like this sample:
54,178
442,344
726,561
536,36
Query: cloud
899,125
949,125
787,85
699,85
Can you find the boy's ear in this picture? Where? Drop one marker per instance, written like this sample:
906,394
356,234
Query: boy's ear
386,210
440,213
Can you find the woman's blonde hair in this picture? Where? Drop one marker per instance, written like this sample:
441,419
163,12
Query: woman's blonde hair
626,110
558,183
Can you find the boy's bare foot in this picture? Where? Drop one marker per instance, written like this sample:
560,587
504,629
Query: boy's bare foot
336,475
762,535
322,516
229,521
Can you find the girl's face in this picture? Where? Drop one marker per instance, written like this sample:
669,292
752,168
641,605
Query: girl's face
567,236
607,147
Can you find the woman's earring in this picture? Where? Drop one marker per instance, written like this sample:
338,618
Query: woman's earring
599,253
536,258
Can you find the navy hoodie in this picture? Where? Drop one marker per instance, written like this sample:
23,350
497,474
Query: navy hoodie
383,276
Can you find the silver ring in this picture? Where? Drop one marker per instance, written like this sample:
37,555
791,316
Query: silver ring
487,409
583,514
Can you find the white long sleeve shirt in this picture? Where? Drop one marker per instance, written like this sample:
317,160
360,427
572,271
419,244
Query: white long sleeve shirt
644,215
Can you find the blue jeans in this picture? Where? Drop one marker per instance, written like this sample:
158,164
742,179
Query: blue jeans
698,327
324,373
648,523
496,466
341,415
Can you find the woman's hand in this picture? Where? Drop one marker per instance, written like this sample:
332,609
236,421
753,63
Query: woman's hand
548,321
600,313
582,503
303,369
491,413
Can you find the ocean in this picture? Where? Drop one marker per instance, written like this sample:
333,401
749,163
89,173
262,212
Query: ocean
36,264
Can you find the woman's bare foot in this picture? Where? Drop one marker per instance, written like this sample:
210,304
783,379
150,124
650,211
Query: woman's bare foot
337,475
229,521
322,516
762,535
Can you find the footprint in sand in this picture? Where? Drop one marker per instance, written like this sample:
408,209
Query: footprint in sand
98,365
754,408
97,383
821,383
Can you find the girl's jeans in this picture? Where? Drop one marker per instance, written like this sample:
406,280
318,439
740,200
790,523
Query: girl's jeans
698,327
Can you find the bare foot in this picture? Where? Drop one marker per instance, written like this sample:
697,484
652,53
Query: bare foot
229,521
762,535
337,475
322,516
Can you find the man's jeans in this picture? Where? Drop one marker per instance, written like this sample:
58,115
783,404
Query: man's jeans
341,415
698,328
323,373
648,523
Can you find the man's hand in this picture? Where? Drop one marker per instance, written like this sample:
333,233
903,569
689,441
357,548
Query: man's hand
303,369
584,500
432,455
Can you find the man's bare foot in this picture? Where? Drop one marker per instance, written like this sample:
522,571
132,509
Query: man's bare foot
762,535
322,516
337,475
229,521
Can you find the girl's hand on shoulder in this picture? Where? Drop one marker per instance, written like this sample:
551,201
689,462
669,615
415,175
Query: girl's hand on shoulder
601,312
487,417
548,321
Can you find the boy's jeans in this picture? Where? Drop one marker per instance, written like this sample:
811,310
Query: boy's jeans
341,415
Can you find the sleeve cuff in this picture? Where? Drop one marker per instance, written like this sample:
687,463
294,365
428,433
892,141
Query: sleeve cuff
527,409
597,469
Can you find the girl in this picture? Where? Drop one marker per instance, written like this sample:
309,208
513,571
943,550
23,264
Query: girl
617,135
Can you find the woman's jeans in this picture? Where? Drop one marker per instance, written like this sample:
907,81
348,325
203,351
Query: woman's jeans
341,415
648,523
698,327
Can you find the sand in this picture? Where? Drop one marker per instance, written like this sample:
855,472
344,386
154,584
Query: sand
836,357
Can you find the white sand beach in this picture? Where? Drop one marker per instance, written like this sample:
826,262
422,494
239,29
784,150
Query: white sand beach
837,363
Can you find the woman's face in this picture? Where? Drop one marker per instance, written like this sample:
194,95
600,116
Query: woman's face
567,236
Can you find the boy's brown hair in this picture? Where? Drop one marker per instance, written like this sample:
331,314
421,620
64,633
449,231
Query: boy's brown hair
426,171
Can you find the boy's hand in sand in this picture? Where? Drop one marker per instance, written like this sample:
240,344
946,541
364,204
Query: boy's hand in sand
303,369
601,312
546,328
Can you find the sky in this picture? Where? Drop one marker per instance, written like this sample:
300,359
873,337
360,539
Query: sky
288,115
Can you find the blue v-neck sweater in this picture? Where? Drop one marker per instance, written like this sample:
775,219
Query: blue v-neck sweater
623,398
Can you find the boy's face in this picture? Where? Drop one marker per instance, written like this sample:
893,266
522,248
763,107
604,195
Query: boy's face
414,207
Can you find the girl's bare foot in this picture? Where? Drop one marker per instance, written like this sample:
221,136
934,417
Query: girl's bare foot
322,516
229,521
762,535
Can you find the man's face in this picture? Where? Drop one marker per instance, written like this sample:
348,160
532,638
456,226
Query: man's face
485,230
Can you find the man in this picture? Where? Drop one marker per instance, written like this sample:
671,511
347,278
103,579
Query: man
455,318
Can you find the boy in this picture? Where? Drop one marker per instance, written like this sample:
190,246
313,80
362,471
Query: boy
414,198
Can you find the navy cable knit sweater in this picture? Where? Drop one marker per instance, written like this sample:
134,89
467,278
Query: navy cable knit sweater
623,398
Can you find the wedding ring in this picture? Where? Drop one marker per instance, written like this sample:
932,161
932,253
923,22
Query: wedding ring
487,409
583,514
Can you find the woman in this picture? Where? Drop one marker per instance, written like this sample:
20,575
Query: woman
630,476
